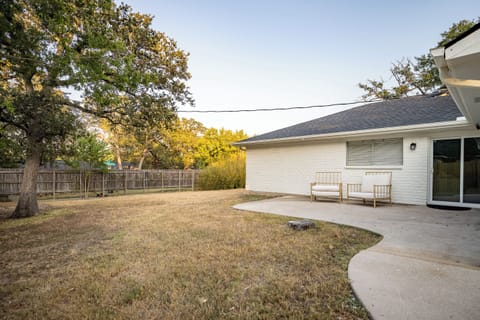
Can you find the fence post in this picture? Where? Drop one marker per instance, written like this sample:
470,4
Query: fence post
103,184
80,183
144,180
179,181
54,183
125,181
193,180
85,195
162,179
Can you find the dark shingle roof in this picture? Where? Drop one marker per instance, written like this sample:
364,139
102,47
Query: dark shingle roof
385,114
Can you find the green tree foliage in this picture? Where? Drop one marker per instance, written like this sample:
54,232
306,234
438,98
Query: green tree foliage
127,73
171,146
120,140
184,144
133,144
456,29
417,76
179,144
227,173
216,144
88,152
410,77
11,149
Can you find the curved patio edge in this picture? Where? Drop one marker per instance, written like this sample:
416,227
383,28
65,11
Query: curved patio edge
425,267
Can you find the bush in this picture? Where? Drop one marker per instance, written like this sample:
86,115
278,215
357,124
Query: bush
228,173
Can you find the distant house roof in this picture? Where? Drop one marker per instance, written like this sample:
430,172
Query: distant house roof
390,113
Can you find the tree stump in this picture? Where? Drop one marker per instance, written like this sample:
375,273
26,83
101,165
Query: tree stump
301,224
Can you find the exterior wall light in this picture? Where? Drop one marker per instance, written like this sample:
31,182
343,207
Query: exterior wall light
413,146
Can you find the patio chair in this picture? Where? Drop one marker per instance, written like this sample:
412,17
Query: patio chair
327,184
375,186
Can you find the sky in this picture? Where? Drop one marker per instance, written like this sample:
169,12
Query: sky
266,54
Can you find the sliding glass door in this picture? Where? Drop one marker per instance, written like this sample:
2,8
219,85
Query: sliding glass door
471,170
446,170
456,170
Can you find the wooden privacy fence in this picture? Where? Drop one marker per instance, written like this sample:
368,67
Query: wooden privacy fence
56,182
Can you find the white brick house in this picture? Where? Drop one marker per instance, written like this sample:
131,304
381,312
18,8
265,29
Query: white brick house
286,160
431,144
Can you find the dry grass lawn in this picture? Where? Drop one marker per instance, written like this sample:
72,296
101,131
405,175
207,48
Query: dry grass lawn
185,255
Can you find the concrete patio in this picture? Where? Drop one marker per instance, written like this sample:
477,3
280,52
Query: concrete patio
426,267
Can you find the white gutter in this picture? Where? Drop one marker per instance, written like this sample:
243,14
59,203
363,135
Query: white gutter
457,124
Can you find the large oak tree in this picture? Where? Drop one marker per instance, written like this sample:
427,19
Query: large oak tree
125,71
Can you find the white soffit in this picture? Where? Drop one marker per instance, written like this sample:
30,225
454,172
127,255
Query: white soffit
470,45
459,66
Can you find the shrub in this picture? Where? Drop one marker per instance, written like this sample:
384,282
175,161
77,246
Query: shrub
228,173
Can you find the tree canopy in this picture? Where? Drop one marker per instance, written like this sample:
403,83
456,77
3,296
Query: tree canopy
183,144
125,71
87,151
216,144
413,76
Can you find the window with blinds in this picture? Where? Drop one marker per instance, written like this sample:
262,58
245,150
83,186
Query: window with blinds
381,152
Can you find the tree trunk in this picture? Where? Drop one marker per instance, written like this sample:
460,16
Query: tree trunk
119,158
142,159
27,205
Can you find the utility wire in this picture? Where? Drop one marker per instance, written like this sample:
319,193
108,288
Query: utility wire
281,108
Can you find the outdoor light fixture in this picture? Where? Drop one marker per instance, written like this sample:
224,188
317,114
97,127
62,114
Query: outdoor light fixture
413,146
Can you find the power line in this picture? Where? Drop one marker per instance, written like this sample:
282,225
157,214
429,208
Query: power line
281,108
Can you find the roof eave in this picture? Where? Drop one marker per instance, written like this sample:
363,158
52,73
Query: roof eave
459,69
457,124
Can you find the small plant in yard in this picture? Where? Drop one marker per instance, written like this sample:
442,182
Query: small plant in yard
133,291
228,173
182,255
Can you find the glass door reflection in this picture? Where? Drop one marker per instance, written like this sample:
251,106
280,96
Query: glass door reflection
471,170
446,170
